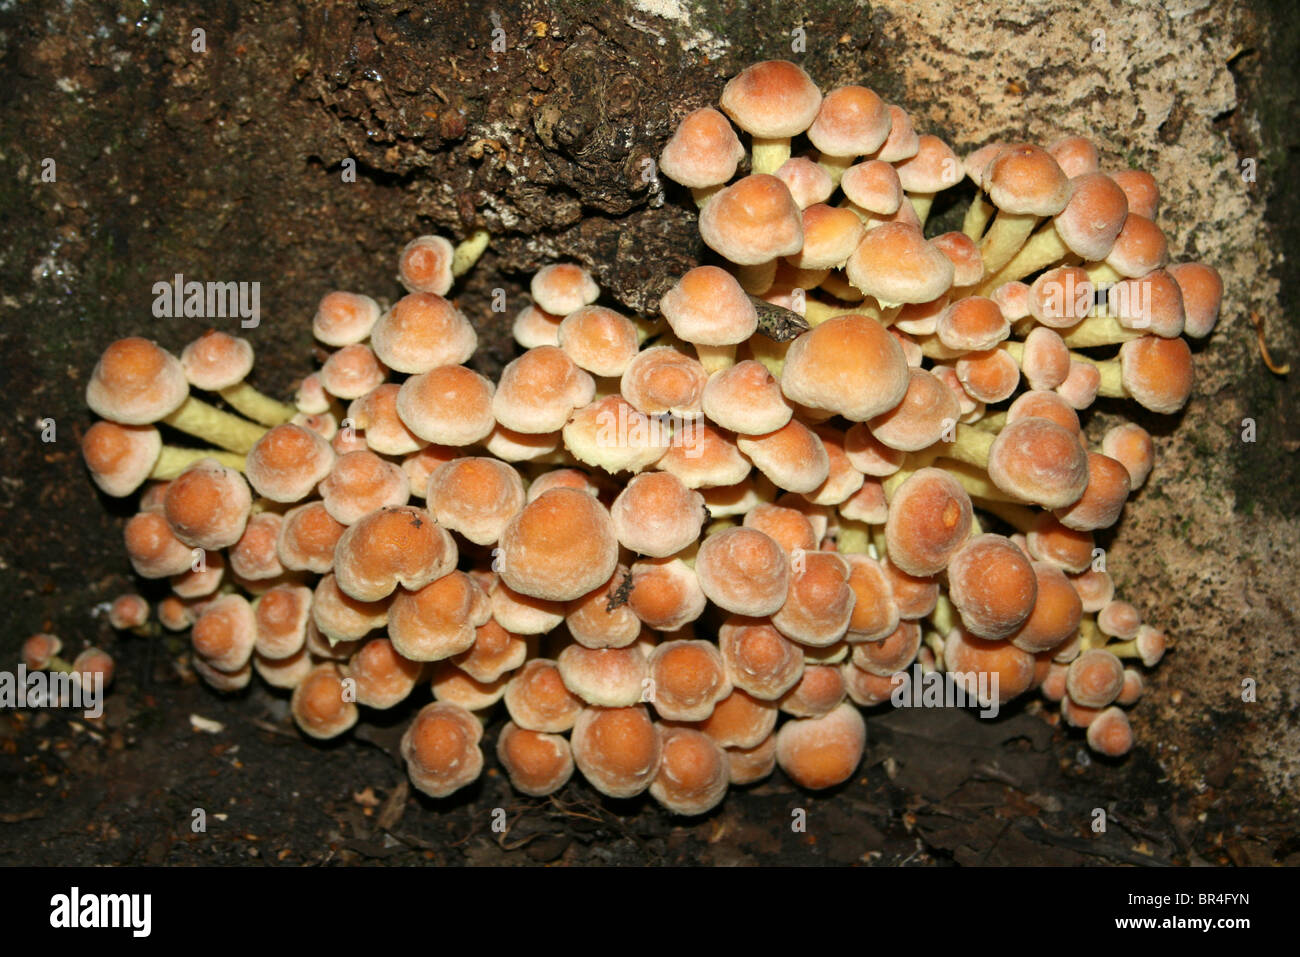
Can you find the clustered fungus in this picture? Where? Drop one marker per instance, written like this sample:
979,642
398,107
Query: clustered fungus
685,549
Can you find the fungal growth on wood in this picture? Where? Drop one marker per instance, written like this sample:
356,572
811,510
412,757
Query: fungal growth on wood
686,548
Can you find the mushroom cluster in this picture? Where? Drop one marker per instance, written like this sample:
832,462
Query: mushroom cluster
685,549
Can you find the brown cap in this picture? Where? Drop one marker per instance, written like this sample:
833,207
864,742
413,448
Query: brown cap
598,340
617,749
693,772
286,463
216,360
361,482
1076,155
437,620
663,380
849,365
772,99
666,593
600,619
657,515
969,658
537,699
928,410
1131,445
932,168
225,633
1093,217
339,617
449,405
539,391
746,398
425,265
538,764
351,372
993,585
536,327
307,538
895,264
704,457
136,383
561,546
988,376
708,306
383,677
819,603
808,182
743,571
343,318
752,221
759,658
793,457
421,332
688,678
1157,372
391,547
562,288
902,141
321,705
476,497
822,752
930,517
1202,290
441,749
830,234
891,654
1039,461
1141,189
121,457
207,505
1139,248
851,121
873,185
611,677
1026,180
703,152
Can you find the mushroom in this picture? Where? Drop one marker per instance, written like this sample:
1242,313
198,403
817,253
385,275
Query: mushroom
421,332
559,547
384,678
285,464
759,659
772,101
851,121
563,288
359,483
391,547
220,363
609,677
693,773
538,763
702,154
537,698
688,678
439,619
618,750
475,496
344,318
819,753
743,571
657,515
441,749
137,383
121,458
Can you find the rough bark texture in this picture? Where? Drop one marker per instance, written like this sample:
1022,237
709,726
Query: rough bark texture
226,165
